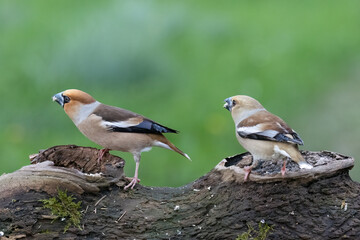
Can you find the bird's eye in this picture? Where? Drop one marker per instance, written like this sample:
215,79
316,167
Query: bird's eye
233,102
66,99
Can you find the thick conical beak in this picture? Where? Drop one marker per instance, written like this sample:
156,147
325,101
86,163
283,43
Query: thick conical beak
228,104
59,99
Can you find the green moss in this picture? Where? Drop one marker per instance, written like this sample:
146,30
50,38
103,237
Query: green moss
45,231
253,234
64,207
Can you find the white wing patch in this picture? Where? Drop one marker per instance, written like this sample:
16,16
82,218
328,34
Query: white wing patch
250,130
122,124
257,129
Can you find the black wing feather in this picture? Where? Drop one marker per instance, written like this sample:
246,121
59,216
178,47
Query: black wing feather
280,137
146,126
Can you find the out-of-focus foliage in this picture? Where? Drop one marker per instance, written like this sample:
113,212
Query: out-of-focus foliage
175,62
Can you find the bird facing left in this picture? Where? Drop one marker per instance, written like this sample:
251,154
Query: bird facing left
114,128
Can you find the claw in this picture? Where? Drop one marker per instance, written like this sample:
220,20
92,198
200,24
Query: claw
132,183
102,152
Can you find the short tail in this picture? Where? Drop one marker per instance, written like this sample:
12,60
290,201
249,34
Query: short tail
297,157
294,154
164,143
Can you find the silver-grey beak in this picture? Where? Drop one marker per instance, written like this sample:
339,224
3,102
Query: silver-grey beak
228,104
59,99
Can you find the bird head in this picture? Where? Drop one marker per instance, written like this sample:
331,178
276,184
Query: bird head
240,104
73,101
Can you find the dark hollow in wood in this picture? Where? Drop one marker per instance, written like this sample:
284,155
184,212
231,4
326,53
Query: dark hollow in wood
321,203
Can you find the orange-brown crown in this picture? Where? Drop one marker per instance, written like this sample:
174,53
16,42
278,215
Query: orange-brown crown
78,96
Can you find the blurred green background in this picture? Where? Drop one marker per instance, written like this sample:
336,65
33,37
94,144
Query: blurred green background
175,62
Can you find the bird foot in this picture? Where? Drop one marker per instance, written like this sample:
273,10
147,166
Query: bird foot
102,152
247,170
283,169
133,182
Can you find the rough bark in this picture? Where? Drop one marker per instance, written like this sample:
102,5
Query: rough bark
321,203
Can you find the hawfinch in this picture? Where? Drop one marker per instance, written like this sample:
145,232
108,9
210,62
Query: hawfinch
114,128
263,134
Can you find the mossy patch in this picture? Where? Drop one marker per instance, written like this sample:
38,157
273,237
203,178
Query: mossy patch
260,234
64,208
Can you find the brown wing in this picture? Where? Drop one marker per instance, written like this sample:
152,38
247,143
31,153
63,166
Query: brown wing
122,120
266,126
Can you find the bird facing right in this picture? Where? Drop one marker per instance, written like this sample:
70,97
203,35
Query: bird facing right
263,134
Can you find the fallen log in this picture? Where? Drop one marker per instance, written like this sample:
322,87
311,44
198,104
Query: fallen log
319,203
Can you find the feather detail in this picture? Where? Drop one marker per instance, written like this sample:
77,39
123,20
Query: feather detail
146,126
270,132
121,120
271,135
115,114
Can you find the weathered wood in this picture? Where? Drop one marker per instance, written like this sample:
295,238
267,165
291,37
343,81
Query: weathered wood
305,204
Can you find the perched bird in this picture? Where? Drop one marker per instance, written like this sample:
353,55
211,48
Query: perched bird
114,128
263,134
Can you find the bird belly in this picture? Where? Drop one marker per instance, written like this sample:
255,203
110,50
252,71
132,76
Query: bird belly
259,149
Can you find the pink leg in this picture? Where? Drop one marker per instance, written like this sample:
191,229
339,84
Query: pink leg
283,169
102,152
135,179
247,172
